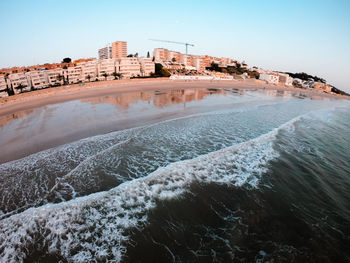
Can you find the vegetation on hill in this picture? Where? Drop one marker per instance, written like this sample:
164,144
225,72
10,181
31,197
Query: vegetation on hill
160,71
305,76
338,91
234,70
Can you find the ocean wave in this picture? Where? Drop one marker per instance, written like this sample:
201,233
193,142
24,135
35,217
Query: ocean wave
101,162
94,226
71,170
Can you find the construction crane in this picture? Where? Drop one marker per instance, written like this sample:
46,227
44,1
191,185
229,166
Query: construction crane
180,43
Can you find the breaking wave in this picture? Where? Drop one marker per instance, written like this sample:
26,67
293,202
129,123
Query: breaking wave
95,226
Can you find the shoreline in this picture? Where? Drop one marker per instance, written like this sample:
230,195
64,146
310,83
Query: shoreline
39,98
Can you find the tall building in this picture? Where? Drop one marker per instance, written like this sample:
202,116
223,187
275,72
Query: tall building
119,49
105,53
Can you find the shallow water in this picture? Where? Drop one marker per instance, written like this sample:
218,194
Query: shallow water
231,176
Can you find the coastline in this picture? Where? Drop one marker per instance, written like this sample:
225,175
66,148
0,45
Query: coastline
38,98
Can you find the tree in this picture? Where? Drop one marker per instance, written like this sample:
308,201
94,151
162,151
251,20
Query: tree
305,76
165,72
158,67
148,54
8,87
20,87
67,60
130,56
136,55
105,75
115,74
88,77
59,77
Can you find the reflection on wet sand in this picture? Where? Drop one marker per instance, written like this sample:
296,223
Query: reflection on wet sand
162,99
157,98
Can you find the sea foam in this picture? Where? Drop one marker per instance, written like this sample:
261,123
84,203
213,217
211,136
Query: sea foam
93,227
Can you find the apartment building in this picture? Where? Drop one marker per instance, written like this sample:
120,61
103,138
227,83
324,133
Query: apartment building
3,87
55,76
89,70
3,82
190,62
119,49
322,86
129,67
107,66
161,54
147,66
37,79
105,53
198,63
74,75
285,79
19,82
269,77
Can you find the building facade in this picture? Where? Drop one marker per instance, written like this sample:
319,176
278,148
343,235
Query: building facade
89,70
269,77
119,49
55,76
285,79
147,66
129,67
105,53
19,82
37,79
3,87
74,75
106,68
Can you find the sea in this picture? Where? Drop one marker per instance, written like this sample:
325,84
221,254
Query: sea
185,175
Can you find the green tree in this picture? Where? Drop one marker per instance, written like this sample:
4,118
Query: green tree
165,72
116,75
20,87
160,71
59,77
9,88
148,54
67,60
105,75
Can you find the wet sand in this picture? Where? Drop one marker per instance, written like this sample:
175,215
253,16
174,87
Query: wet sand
38,98
43,119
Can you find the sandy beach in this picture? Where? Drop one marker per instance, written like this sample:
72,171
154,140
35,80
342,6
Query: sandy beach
38,98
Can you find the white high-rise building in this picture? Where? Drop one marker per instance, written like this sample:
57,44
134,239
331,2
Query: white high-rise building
105,53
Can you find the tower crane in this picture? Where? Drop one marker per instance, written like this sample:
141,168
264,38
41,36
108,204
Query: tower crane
180,43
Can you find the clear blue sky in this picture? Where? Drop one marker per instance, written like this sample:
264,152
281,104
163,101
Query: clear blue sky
295,35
